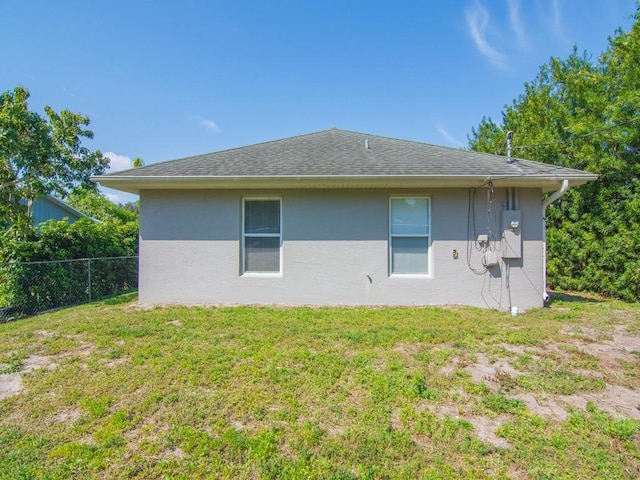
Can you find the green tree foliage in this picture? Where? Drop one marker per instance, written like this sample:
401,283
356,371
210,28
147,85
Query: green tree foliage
96,205
40,155
585,114
27,288
61,240
30,282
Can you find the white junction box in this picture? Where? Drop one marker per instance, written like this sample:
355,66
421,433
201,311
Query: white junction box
489,259
511,234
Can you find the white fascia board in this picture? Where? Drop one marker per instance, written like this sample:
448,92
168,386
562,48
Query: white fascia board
134,184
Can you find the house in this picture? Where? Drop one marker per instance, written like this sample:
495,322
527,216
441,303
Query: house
344,218
51,208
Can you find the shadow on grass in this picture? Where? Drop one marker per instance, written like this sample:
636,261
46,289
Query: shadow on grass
119,299
11,314
570,297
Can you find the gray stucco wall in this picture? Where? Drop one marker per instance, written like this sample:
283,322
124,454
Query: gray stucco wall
335,250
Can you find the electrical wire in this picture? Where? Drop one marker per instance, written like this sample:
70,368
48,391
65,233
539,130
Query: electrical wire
574,137
507,274
471,230
552,170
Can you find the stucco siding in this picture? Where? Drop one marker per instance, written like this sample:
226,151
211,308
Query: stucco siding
335,250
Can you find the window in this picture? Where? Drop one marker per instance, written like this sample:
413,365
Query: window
409,235
261,235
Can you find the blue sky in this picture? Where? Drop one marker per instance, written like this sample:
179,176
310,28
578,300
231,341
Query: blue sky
163,80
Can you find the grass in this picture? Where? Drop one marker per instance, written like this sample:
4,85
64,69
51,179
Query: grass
338,393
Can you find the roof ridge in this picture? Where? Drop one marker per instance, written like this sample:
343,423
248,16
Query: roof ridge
329,130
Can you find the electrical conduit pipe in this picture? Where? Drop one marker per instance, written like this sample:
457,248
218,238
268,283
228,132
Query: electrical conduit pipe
548,201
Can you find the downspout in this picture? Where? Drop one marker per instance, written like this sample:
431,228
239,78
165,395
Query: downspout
548,201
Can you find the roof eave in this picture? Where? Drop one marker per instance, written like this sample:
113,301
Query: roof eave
134,184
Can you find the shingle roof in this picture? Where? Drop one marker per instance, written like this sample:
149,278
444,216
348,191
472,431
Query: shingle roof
338,153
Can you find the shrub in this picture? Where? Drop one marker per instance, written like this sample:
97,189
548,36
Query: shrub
27,288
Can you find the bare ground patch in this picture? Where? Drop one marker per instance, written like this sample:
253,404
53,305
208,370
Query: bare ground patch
611,350
11,383
618,401
488,370
485,428
68,416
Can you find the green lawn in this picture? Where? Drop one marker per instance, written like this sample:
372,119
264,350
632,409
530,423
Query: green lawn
111,390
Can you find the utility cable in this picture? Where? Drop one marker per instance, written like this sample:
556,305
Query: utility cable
574,137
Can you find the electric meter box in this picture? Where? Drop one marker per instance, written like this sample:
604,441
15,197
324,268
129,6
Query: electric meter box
511,234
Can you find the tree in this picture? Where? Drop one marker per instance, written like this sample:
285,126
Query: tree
96,205
586,115
40,155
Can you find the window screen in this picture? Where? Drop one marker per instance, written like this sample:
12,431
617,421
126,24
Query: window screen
409,235
261,236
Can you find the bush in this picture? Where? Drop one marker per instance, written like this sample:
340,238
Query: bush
27,288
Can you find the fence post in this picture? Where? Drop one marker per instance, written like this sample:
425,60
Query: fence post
89,276
23,284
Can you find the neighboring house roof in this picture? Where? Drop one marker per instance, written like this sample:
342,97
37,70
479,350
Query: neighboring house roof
52,208
338,158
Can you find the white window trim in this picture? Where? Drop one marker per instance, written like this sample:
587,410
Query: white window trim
429,273
277,274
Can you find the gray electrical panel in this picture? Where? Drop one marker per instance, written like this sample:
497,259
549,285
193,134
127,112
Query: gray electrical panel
511,234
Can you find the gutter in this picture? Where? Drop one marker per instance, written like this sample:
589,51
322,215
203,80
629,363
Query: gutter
134,184
548,201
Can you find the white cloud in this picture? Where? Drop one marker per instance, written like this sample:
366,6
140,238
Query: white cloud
117,162
113,197
450,138
478,20
71,94
557,18
210,124
118,197
516,24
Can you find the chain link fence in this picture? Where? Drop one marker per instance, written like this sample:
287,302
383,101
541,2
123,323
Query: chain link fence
30,288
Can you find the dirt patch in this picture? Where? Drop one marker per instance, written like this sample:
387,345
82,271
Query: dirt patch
615,349
145,307
84,349
396,421
486,427
585,333
451,367
618,401
69,416
609,356
176,323
116,362
44,333
548,408
530,349
486,371
175,452
11,383
624,340
408,348
38,361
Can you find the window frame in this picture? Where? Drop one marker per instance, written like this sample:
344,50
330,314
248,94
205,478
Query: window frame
428,236
246,235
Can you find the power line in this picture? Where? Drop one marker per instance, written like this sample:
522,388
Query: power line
575,137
